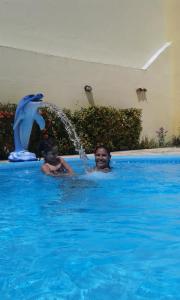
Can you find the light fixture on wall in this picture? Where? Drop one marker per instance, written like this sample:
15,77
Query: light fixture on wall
88,88
141,94
89,94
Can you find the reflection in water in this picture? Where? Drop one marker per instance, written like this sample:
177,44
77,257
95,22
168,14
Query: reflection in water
77,188
78,182
73,194
77,192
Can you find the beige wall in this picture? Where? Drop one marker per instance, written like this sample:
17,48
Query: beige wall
120,32
62,81
173,33
106,43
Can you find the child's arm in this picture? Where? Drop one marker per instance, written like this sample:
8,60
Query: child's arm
47,170
67,167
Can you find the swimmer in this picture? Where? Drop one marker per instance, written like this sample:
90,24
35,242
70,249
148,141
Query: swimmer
55,165
102,159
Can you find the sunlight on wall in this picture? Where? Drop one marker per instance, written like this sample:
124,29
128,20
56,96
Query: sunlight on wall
173,29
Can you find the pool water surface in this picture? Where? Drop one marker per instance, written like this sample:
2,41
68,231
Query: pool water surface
91,236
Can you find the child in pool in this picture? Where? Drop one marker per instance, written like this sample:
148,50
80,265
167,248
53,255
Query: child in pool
102,159
55,165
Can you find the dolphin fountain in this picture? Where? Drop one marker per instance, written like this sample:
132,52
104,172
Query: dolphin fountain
26,114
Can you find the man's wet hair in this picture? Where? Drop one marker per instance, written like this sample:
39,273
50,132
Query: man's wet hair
102,147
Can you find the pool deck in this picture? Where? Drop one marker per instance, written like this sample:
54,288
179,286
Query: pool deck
155,151
149,152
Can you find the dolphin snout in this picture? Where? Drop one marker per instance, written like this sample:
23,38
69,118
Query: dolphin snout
34,97
37,97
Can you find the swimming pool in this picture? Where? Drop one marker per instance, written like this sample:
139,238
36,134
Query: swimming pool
96,236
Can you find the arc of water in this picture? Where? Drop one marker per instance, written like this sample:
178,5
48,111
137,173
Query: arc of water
69,128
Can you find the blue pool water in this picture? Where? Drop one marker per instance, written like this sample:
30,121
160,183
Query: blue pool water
91,237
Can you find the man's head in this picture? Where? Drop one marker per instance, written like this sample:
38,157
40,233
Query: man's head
102,157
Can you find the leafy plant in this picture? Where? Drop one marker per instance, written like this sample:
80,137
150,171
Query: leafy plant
7,112
147,143
117,129
161,134
175,141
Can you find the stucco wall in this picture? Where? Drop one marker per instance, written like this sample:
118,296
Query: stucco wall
62,82
122,32
106,43
173,30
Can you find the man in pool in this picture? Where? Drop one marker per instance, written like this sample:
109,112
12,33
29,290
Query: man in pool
102,159
55,165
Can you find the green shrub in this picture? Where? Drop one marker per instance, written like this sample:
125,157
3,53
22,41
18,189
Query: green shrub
161,135
147,143
175,141
7,112
118,129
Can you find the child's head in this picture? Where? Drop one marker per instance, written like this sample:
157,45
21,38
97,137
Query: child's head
50,155
102,157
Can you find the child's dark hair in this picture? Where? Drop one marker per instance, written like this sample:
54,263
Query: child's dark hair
53,148
102,147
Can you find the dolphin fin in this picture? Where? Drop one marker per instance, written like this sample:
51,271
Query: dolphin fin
24,133
40,121
18,120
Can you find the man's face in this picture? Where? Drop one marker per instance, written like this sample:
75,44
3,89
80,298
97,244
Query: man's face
102,158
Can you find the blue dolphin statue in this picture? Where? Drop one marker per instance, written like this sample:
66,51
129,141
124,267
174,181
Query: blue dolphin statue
26,114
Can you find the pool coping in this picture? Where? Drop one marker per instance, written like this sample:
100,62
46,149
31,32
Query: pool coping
147,152
146,155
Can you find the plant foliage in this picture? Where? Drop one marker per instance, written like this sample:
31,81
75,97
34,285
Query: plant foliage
118,129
